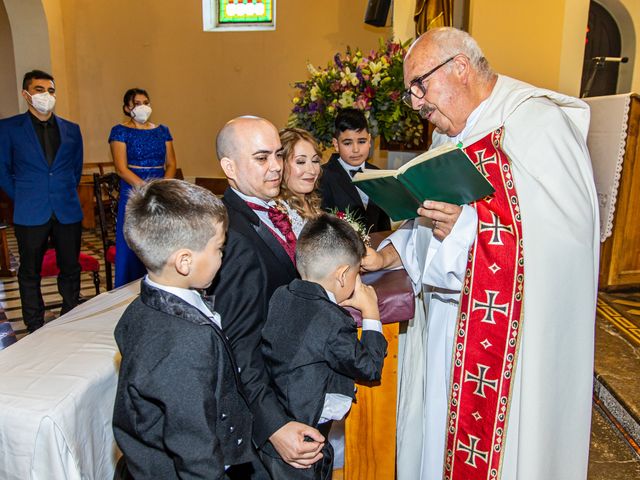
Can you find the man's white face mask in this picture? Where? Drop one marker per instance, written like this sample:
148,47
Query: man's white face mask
43,102
141,113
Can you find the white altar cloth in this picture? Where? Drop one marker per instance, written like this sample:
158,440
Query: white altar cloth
57,390
607,141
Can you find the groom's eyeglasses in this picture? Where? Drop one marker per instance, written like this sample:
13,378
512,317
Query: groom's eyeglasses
417,88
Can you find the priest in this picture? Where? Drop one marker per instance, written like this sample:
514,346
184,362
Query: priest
497,371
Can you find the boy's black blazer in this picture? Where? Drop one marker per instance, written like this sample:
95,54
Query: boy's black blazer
179,410
311,348
254,264
339,192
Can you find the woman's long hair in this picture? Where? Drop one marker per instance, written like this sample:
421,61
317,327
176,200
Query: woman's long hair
289,137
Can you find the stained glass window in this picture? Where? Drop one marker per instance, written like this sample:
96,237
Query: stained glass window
221,15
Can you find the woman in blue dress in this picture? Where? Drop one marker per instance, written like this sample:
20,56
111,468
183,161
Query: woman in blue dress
141,151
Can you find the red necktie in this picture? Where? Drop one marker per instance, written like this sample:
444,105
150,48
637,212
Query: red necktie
282,222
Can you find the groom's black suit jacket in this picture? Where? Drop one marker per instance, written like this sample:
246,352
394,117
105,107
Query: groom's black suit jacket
254,264
338,191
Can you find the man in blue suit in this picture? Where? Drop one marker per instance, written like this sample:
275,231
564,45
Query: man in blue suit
40,168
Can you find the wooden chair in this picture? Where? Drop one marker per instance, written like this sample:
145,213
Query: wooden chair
107,193
89,168
88,263
216,185
6,270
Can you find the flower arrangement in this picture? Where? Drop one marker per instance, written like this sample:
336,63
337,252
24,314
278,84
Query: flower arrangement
372,83
355,222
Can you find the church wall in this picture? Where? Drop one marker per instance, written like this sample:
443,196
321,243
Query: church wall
28,43
545,43
404,27
59,67
197,80
539,42
632,28
8,85
546,39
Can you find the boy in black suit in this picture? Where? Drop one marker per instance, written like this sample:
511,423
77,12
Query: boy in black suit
180,411
310,343
352,141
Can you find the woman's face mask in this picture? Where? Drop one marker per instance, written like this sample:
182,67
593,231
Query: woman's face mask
141,113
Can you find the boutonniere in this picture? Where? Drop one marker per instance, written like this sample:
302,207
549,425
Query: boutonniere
356,222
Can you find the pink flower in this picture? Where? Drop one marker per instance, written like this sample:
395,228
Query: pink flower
361,103
393,48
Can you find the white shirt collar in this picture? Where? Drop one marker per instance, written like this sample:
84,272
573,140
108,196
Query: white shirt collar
331,296
256,200
192,297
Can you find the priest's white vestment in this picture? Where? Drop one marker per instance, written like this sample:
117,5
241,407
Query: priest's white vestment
550,413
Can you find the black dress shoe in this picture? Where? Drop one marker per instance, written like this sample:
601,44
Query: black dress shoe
33,328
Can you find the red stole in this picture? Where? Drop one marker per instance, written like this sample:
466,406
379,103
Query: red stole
488,326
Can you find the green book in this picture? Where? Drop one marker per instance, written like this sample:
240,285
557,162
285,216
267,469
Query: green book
443,174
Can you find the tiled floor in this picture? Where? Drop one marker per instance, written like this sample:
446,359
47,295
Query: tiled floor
617,364
617,388
610,457
10,296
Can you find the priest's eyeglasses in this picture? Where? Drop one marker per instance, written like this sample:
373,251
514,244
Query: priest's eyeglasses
417,88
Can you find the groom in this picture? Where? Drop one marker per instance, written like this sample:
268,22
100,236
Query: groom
256,261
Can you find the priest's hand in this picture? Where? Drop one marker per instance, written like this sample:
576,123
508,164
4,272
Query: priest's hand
443,216
298,444
372,261
377,260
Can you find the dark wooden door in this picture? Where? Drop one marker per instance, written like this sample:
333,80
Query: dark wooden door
603,40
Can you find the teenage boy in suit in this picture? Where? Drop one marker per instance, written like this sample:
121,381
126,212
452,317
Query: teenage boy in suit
310,343
40,169
352,141
179,410
257,260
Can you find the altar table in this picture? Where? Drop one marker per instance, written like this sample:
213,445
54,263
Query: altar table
370,428
614,146
57,389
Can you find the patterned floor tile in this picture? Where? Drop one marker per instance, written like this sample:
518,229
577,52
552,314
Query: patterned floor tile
10,296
